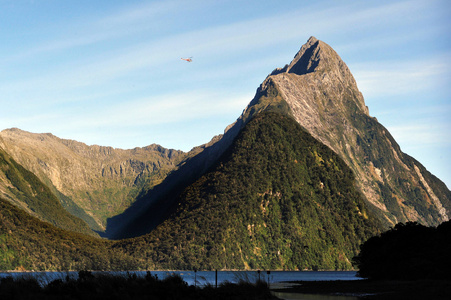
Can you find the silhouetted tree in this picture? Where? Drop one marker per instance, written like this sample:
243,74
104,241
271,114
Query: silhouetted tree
407,251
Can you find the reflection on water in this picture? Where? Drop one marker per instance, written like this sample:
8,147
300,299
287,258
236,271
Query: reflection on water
294,296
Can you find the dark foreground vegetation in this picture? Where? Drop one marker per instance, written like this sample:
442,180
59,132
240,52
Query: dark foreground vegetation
377,289
101,286
277,199
407,252
409,261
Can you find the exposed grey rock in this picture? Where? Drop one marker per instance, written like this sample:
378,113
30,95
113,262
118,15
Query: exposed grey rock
322,96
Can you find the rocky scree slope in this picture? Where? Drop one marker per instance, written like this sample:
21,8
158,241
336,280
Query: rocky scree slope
319,91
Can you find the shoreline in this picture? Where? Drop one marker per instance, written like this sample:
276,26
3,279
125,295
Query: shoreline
374,289
164,270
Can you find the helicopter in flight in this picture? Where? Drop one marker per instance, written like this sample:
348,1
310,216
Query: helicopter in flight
189,59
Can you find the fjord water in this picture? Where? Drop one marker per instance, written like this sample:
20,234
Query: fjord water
276,279
294,296
205,277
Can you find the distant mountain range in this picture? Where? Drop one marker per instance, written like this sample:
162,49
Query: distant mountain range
302,177
93,183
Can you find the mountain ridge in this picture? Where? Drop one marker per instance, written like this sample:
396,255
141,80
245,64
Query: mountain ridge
25,191
101,181
302,177
276,199
319,91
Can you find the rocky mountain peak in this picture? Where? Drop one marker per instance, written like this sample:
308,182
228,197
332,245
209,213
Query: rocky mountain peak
319,91
325,68
308,58
317,56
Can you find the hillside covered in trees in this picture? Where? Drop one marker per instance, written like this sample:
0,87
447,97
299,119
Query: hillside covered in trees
27,243
27,191
277,199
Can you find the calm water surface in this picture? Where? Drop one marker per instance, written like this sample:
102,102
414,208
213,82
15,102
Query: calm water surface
276,279
293,296
206,277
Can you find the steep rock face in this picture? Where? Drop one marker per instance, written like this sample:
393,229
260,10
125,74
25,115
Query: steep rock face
99,181
320,92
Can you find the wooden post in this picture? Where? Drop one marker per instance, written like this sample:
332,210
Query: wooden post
268,272
195,278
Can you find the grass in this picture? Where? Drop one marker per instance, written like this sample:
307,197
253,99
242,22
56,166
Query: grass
104,286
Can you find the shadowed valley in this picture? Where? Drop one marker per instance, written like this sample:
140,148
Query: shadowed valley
301,179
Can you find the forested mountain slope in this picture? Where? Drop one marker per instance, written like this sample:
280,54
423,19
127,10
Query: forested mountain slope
277,198
27,192
27,243
92,182
319,91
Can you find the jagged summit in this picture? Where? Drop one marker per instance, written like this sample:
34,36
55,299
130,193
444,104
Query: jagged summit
308,58
317,57
319,91
314,56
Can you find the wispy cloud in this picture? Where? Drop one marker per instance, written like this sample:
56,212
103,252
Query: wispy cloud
422,135
164,109
124,65
388,78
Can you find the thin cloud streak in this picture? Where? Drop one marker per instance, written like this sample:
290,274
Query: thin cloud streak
94,72
424,135
218,41
380,79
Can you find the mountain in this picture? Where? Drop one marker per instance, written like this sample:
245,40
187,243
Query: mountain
126,193
92,182
26,191
299,181
27,243
276,199
318,90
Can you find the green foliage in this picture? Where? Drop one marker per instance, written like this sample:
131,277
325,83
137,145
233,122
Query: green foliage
104,286
27,243
407,251
38,197
277,199
74,209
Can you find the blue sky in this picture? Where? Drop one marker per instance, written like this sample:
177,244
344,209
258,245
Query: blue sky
109,72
